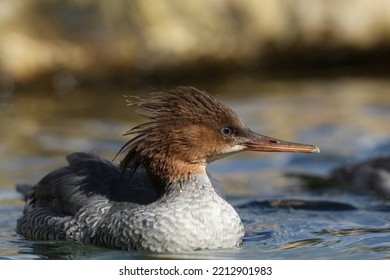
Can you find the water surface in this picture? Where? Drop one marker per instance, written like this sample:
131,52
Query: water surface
347,118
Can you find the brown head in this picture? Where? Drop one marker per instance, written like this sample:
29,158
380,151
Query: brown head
188,128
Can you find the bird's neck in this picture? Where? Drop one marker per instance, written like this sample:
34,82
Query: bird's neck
170,176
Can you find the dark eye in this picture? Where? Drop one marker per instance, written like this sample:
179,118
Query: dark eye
226,131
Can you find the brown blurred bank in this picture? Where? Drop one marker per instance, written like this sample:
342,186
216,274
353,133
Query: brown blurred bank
63,44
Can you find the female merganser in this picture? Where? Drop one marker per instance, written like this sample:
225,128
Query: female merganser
160,197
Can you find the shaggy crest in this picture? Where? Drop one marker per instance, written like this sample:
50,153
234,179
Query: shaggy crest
171,113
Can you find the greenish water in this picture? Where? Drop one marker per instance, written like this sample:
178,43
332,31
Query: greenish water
347,118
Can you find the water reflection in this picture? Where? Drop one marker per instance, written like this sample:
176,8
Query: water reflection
352,231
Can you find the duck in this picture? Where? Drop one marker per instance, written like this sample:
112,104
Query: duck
367,176
159,197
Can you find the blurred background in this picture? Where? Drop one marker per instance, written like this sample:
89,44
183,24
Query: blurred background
309,71
64,44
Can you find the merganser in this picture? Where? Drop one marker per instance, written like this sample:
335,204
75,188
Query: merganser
366,176
160,197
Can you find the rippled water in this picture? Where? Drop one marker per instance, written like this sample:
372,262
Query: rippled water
347,118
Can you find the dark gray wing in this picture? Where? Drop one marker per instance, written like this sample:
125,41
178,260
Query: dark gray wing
87,178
